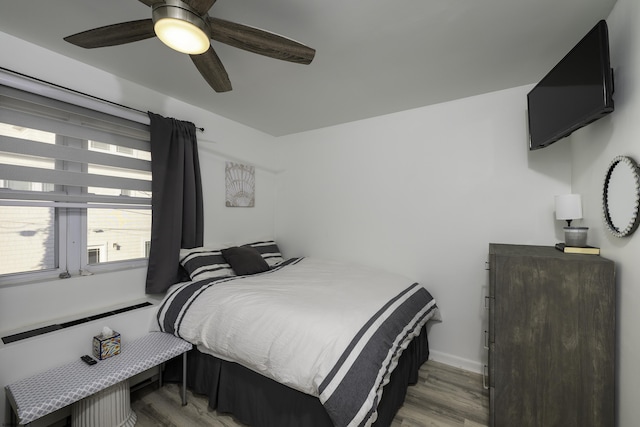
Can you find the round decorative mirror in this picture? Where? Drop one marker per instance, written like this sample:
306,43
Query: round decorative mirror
621,196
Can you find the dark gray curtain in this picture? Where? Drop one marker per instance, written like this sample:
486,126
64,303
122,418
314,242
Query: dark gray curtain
177,217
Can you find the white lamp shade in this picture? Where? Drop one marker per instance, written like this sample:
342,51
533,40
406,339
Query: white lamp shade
568,206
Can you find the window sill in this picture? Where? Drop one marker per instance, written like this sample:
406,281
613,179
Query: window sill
19,279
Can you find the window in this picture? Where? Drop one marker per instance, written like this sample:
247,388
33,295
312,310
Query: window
96,145
75,188
124,150
93,255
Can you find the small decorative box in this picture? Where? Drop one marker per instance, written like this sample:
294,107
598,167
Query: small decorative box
104,347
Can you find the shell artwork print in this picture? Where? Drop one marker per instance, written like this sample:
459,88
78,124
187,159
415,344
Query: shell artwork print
240,185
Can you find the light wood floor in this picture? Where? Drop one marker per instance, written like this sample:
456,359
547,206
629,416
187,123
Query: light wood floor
444,397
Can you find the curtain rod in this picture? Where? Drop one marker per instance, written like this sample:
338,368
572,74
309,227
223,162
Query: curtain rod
201,129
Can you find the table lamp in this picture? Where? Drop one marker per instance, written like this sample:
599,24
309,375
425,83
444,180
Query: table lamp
568,208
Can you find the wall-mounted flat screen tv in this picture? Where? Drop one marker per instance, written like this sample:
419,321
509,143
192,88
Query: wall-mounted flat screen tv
576,92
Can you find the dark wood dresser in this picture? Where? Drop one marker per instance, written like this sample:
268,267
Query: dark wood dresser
551,338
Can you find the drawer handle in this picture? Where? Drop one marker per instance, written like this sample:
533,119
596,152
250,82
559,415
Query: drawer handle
485,382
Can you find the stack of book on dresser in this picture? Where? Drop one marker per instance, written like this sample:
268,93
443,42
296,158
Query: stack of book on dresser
590,250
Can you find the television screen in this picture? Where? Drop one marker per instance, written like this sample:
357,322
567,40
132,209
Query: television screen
576,91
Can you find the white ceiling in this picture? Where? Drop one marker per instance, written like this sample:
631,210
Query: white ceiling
373,57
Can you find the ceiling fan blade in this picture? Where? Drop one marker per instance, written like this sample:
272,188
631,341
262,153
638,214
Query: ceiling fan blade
212,70
260,41
112,35
200,6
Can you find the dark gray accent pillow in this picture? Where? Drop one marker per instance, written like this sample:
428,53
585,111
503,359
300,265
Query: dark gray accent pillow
269,251
245,260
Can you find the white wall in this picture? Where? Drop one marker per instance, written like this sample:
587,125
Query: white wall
423,192
593,148
223,139
420,192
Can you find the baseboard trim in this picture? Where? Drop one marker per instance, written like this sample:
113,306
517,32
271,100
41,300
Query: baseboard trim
458,362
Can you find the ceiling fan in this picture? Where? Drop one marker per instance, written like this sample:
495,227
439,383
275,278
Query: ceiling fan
186,27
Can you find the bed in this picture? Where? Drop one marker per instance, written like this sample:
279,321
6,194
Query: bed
302,342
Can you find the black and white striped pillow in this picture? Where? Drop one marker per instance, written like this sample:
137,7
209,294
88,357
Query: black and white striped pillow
203,263
269,251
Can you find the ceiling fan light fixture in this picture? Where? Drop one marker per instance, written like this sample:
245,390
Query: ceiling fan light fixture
180,27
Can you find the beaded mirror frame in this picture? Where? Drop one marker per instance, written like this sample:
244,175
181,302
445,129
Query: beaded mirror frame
630,221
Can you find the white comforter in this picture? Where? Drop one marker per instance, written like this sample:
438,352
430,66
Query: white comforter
303,325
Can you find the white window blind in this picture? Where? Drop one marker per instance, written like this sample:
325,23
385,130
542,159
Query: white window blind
63,155
75,184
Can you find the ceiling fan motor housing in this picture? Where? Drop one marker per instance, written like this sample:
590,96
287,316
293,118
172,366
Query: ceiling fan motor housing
185,17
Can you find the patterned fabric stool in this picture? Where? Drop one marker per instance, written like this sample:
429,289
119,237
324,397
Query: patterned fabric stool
42,394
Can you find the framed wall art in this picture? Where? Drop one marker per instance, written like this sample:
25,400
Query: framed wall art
240,185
